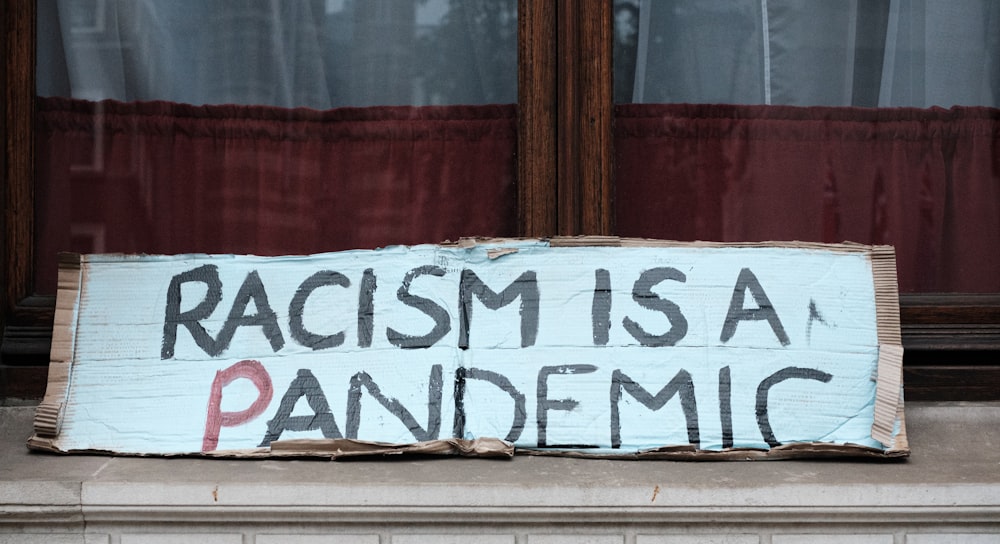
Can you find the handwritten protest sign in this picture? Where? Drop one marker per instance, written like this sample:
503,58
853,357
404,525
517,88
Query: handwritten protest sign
582,346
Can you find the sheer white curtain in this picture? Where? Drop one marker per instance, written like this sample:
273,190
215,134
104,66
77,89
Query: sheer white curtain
917,53
264,52
314,53
942,53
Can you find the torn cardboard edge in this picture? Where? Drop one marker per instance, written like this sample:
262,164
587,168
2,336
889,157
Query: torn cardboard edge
48,415
344,448
337,448
888,419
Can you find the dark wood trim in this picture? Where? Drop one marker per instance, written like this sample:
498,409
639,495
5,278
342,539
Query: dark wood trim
950,322
17,246
26,317
23,382
565,124
586,107
536,126
950,307
952,382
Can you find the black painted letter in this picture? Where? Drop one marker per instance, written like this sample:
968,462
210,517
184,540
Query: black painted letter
544,404
774,379
209,275
265,318
764,310
434,387
442,321
642,293
525,286
681,383
304,385
600,310
497,379
726,406
366,308
297,307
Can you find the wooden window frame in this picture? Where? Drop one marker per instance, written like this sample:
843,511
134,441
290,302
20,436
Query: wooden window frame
565,187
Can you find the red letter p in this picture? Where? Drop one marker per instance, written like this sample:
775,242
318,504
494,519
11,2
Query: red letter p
249,369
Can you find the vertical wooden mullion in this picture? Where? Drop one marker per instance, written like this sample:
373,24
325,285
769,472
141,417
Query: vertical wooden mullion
537,132
17,77
565,100
585,114
568,148
25,318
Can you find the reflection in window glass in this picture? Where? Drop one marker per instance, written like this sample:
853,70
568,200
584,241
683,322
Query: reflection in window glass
313,53
167,126
870,53
710,143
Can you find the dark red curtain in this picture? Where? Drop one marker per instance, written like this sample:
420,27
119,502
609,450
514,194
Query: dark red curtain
926,181
160,177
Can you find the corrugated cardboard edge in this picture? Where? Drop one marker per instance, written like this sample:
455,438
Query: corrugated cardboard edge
48,415
889,380
888,405
496,244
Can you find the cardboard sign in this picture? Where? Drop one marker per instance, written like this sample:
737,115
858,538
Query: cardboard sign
578,346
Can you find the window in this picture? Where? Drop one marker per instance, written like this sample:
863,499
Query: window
565,168
707,147
271,127
922,180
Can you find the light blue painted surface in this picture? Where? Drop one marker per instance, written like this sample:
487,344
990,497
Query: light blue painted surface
124,397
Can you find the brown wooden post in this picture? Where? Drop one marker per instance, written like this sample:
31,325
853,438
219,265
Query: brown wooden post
585,117
536,133
25,318
18,81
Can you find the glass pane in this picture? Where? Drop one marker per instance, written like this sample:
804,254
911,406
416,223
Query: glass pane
313,53
871,53
272,126
711,141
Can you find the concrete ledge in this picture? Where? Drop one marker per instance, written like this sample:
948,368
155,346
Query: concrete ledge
950,485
